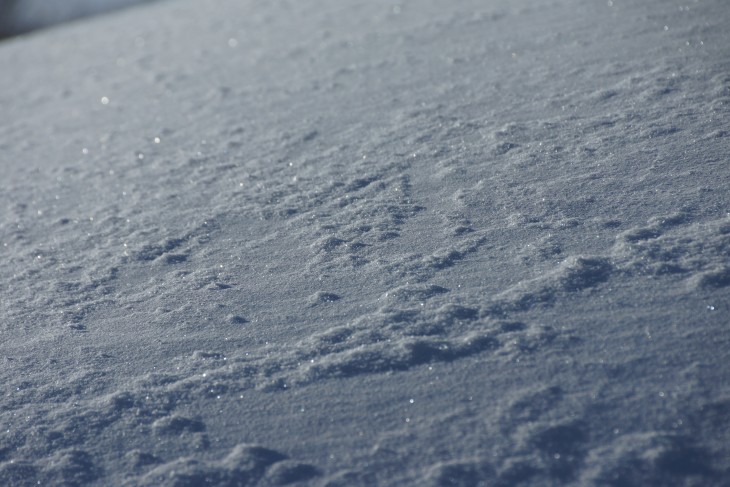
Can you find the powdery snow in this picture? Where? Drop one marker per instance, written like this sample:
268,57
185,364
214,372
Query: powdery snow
365,243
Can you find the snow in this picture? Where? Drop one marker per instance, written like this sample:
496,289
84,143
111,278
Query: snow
367,243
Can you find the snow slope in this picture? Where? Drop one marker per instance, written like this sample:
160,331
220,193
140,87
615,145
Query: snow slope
365,243
18,16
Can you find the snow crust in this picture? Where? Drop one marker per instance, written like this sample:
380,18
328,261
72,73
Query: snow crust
365,243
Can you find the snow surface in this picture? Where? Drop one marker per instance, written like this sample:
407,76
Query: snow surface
343,243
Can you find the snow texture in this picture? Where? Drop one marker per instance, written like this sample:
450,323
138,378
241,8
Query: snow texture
356,243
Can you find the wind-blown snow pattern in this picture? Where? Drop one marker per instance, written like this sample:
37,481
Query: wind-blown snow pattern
356,243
